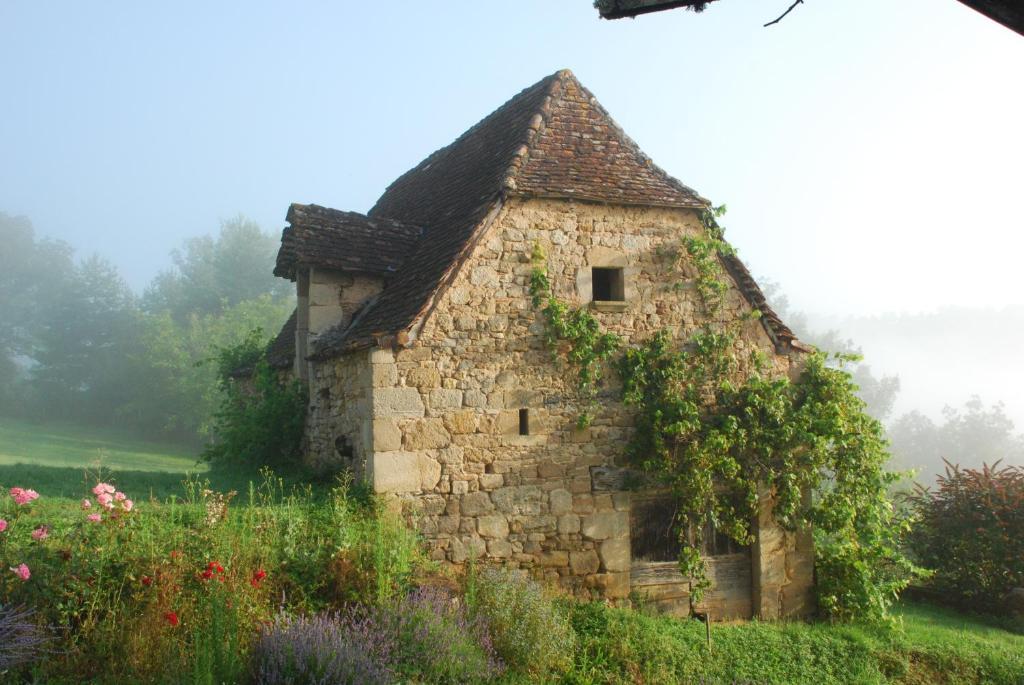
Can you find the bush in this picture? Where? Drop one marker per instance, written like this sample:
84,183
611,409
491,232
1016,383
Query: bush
527,630
347,648
261,417
971,533
425,637
437,640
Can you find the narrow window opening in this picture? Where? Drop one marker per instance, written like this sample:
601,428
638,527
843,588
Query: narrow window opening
524,421
609,285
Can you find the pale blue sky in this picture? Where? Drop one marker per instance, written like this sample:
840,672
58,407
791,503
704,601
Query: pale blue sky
869,150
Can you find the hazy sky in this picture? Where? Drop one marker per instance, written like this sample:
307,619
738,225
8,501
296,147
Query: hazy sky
869,150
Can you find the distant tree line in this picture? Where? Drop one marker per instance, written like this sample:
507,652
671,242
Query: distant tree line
77,344
970,436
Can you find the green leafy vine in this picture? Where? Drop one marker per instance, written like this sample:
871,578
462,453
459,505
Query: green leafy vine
588,346
722,436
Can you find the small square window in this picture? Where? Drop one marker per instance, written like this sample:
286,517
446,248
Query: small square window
524,421
609,285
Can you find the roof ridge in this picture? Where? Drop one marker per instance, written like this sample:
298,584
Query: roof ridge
537,124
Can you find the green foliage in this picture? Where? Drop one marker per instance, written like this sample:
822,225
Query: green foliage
261,418
212,274
724,434
587,346
621,646
704,251
76,342
108,587
972,534
528,632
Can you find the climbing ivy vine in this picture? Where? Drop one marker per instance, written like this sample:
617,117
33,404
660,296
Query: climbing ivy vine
723,432
586,346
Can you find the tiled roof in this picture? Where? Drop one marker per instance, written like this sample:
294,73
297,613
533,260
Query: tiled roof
346,241
281,350
553,139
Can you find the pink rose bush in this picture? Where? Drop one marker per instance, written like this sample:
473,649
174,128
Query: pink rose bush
22,497
22,571
41,533
3,525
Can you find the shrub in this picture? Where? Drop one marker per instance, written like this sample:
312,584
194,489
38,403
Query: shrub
971,533
22,641
528,631
261,417
347,648
437,640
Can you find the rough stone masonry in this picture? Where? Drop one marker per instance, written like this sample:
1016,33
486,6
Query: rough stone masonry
429,377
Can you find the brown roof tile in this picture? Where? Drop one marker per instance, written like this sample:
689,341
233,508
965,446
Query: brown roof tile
553,139
346,241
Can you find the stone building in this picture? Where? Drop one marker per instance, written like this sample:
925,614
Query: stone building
429,377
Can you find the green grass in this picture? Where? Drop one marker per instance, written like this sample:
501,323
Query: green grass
931,646
62,460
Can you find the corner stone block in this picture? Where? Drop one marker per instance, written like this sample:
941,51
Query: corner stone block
379,356
584,562
397,402
384,375
615,555
387,437
396,472
606,525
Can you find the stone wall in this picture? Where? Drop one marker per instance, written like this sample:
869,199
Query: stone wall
445,419
338,425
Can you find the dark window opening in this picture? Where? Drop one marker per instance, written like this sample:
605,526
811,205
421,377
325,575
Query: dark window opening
609,285
344,447
654,530
524,421
654,533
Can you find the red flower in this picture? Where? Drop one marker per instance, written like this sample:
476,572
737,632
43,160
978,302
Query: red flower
257,577
171,617
206,575
147,581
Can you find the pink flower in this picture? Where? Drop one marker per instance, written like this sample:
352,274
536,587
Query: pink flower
103,488
41,533
21,570
86,504
105,500
95,518
119,496
128,505
22,496
3,525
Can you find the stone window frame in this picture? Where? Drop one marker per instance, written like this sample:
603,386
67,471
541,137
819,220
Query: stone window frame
605,258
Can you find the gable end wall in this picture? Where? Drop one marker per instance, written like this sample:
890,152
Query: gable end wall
442,433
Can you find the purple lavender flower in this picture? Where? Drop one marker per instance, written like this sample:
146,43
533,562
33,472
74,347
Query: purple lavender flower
325,649
21,640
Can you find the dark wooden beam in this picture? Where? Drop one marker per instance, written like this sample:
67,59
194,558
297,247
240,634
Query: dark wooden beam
619,9
1009,13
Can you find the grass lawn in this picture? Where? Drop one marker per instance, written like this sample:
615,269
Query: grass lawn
930,646
62,460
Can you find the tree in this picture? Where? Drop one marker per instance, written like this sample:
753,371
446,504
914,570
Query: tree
32,273
969,437
213,274
86,336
